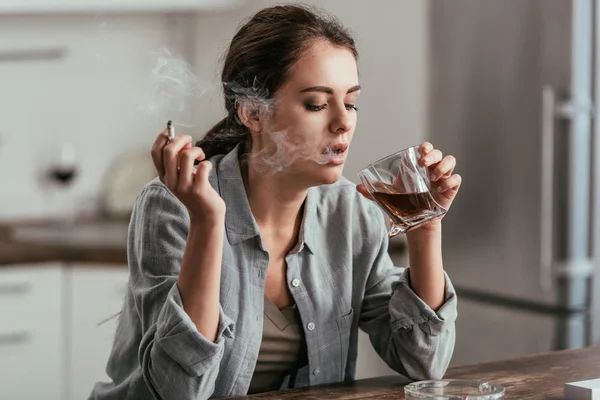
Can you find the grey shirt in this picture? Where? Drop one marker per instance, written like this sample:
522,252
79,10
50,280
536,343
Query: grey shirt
340,276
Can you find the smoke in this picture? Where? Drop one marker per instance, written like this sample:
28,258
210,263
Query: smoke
253,99
280,148
176,93
283,148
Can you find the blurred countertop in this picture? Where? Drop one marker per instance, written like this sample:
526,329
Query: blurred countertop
94,240
90,240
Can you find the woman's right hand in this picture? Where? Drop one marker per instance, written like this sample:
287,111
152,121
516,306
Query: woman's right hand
174,162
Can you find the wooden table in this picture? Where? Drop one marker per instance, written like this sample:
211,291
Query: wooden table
533,377
14,252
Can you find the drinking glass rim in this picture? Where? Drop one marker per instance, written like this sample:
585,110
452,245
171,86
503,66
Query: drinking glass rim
497,390
389,156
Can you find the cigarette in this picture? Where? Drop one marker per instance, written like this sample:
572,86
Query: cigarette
171,130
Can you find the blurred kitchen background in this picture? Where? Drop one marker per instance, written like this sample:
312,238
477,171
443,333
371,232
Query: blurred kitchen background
507,86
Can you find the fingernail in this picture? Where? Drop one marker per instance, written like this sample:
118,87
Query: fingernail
440,189
433,177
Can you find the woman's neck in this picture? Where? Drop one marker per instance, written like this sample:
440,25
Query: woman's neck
275,201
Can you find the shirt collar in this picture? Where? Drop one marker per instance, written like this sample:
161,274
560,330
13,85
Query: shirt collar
240,224
308,232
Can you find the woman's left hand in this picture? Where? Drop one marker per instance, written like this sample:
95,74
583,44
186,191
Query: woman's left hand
444,183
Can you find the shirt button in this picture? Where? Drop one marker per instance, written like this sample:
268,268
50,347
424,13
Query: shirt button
311,326
316,371
296,282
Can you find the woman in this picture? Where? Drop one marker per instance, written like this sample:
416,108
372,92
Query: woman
253,262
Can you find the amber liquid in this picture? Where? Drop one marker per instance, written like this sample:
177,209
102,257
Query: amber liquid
406,205
408,210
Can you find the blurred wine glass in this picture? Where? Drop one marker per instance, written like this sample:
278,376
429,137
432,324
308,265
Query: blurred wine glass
57,171
64,169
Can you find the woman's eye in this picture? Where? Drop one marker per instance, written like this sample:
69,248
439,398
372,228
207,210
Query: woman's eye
312,107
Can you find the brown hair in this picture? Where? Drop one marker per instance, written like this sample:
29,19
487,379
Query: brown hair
259,59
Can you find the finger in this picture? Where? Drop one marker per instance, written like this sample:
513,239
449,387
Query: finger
425,148
363,190
187,169
444,168
202,173
171,158
451,184
433,157
156,151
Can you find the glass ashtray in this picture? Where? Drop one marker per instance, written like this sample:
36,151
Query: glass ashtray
451,389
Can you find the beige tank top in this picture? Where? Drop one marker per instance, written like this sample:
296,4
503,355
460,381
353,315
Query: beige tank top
282,350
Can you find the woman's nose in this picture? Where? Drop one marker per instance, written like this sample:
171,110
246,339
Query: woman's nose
342,121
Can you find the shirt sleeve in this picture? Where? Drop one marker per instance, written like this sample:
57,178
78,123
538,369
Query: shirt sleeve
176,360
411,338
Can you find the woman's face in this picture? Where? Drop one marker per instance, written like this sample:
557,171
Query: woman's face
312,121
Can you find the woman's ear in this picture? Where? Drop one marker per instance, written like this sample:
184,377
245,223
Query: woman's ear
249,117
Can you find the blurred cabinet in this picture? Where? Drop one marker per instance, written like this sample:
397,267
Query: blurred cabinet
32,332
97,294
55,331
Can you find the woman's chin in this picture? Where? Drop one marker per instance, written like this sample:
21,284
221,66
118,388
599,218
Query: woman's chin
330,174
318,174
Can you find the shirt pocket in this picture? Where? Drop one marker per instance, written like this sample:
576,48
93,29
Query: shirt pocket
344,324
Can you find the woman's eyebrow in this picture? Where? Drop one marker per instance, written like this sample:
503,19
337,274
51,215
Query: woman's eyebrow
328,90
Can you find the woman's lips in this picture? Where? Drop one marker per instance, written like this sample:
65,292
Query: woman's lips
336,154
336,148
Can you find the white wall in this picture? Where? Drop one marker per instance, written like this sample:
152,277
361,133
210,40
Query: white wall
392,42
89,97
